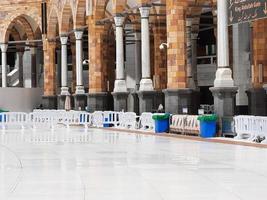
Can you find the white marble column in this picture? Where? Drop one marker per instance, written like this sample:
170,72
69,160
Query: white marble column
137,37
79,62
4,64
120,83
146,83
64,65
224,73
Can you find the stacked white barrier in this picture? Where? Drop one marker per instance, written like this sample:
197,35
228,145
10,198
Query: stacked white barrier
42,119
146,121
178,123
14,118
128,120
185,124
250,127
192,125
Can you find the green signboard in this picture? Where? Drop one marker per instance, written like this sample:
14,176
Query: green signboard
240,11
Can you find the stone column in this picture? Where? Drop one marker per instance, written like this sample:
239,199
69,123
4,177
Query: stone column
224,90
64,66
146,83
120,83
4,64
80,99
64,72
137,38
120,93
79,62
147,95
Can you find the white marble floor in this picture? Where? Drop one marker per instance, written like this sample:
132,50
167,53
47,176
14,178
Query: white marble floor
105,165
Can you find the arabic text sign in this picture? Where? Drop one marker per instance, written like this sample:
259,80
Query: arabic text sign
246,10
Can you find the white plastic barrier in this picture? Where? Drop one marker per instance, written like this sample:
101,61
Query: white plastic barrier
192,125
185,124
42,119
13,118
128,120
113,118
97,119
75,118
249,127
178,123
146,121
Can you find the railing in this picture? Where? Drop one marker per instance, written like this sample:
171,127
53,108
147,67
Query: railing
185,124
251,127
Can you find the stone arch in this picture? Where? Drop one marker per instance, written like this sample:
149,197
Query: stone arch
52,29
79,19
22,21
66,17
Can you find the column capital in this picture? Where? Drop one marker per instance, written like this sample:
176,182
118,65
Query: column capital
4,47
78,34
64,39
119,20
145,11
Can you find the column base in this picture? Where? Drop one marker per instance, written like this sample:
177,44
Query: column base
61,101
146,85
79,90
224,100
100,101
149,101
120,100
49,102
177,100
80,101
257,101
64,91
120,86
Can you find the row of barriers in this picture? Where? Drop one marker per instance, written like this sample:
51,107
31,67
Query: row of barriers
51,118
251,127
185,124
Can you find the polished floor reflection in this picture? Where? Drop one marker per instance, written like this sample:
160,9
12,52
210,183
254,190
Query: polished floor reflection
105,165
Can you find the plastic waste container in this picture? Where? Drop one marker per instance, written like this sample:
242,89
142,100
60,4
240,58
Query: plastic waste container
207,125
162,122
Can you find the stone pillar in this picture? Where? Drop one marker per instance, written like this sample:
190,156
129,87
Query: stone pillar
224,90
4,64
64,72
146,94
146,83
177,95
137,38
98,97
49,97
80,99
64,66
33,67
120,93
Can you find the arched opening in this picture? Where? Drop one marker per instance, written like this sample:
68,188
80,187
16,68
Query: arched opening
23,52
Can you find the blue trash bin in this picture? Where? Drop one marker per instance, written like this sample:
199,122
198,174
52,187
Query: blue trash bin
207,129
162,126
